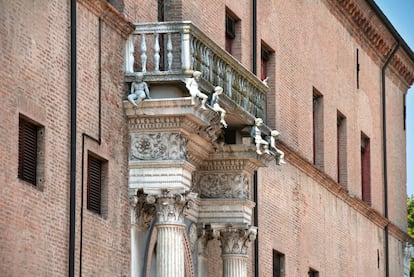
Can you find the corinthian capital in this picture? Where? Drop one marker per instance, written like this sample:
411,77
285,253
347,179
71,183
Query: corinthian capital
235,240
170,206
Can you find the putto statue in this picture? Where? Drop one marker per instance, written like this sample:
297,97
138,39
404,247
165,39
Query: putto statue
192,86
261,144
216,107
139,90
279,155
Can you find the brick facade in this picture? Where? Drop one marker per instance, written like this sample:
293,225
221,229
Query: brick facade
302,211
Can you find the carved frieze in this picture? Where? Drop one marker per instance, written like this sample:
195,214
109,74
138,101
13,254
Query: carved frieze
221,185
235,240
158,146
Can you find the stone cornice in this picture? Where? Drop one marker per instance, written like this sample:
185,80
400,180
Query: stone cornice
363,24
109,15
342,193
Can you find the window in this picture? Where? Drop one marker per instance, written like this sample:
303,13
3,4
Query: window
233,42
117,4
317,120
230,33
266,62
341,149
94,190
31,144
365,169
278,264
313,273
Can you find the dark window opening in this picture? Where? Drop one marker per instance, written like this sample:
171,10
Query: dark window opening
94,190
230,32
317,129
365,169
278,264
265,62
117,4
341,149
313,273
28,148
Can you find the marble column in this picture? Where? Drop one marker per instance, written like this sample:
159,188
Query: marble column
234,245
170,226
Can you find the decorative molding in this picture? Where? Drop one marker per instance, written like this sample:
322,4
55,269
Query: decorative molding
158,146
221,185
342,193
371,30
109,15
235,240
161,122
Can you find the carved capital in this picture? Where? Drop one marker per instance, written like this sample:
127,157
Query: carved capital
222,185
142,212
170,206
158,146
235,240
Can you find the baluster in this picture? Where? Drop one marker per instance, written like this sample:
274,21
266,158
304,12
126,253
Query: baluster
229,77
156,52
169,51
143,53
185,50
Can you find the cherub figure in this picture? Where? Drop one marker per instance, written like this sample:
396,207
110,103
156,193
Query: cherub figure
139,90
216,107
279,155
257,135
192,86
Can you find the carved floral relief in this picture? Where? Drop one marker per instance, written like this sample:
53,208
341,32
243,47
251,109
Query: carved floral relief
159,146
222,185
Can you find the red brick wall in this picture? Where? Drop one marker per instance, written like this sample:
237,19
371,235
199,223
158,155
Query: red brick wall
35,76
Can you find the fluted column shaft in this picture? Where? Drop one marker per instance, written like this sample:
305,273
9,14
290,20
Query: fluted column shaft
170,250
234,265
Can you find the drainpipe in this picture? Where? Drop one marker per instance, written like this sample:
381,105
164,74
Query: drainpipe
256,222
255,183
384,149
254,37
97,140
73,109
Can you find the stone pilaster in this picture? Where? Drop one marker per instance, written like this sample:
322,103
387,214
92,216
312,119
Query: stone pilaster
234,245
202,253
141,217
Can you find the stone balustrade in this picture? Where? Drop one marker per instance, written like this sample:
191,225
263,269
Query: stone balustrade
171,51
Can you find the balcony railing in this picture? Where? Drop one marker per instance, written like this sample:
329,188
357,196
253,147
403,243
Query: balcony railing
173,50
